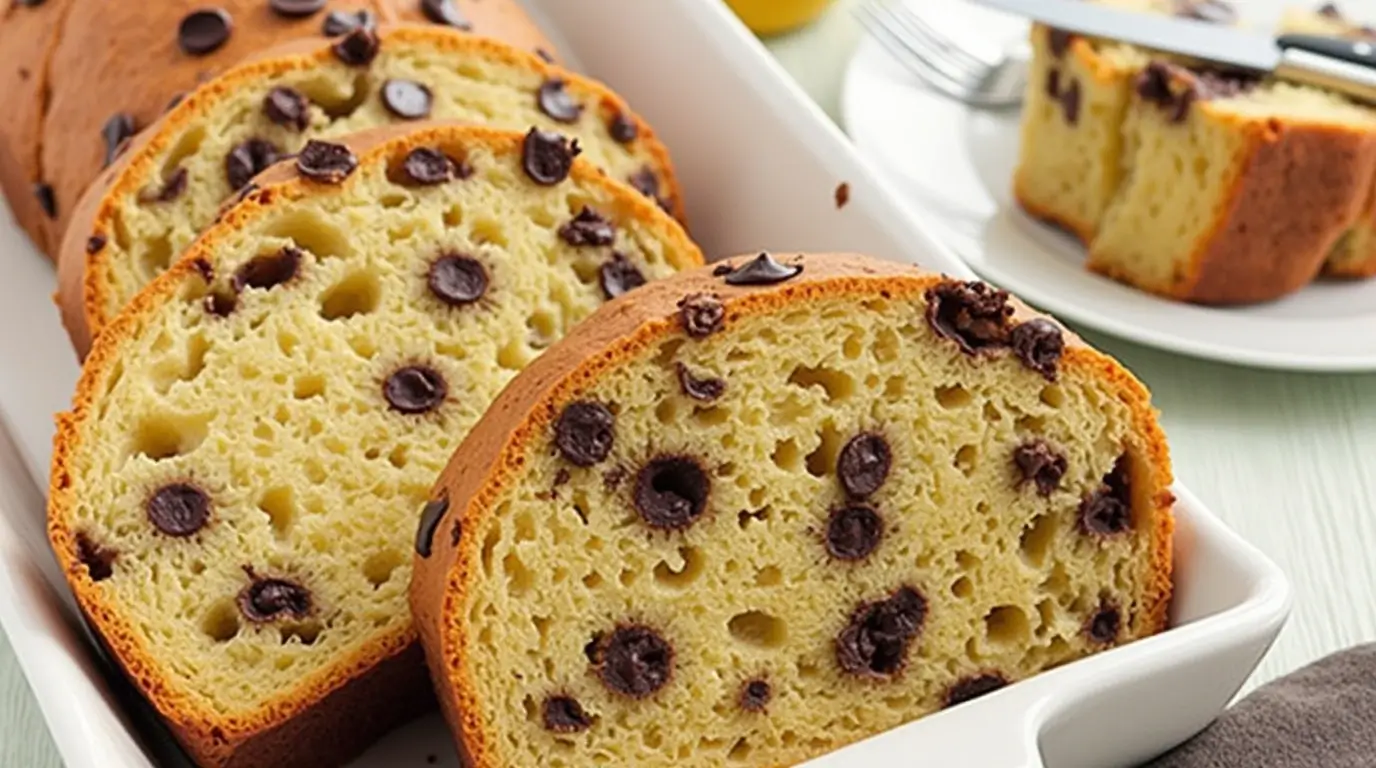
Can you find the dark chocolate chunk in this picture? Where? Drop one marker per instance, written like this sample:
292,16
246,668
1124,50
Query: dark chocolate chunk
875,643
588,227
1038,344
853,532
178,509
171,189
544,55
671,492
358,47
456,279
221,304
755,695
266,600
325,162
611,479
268,270
563,714
701,314
706,389
1060,41
972,314
556,102
456,533
204,269
1155,86
646,183
623,129
634,661
204,31
763,270
618,276
342,22
863,464
415,389
445,12
426,167
1330,11
430,516
1103,627
94,243
287,107
1038,462
1070,102
974,687
841,195
98,560
1212,11
584,433
1108,510
1053,83
249,159
296,9
721,269
117,130
30,3
47,199
406,99
547,157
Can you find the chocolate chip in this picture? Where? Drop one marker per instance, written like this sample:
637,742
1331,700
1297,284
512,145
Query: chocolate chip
1038,344
1211,11
762,270
456,279
287,107
563,714
30,3
646,183
611,479
178,509
415,389
249,159
406,99
853,532
1060,41
445,12
671,492
722,269
296,9
875,643
47,199
1330,11
171,189
841,195
98,560
430,517
701,314
204,269
268,270
325,162
634,661
755,695
864,463
358,47
1053,83
342,22
588,227
623,129
94,243
1038,462
556,102
456,533
584,433
547,157
1154,86
204,31
974,687
1108,510
1070,102
544,55
117,130
973,315
174,101
1103,627
220,304
706,389
427,167
619,276
266,600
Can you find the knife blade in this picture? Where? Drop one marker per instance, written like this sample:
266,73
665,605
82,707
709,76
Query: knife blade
1348,66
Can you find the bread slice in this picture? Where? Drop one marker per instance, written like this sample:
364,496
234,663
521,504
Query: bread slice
234,492
756,512
169,186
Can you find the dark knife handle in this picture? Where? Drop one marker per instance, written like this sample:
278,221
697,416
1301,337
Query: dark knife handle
1359,52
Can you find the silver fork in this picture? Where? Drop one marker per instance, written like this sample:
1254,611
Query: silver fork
981,78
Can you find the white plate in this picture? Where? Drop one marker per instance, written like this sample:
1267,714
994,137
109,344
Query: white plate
955,164
760,164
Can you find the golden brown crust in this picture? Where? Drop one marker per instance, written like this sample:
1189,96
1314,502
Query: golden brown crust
80,289
348,692
491,457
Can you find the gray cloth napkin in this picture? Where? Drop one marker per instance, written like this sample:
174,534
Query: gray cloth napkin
1322,716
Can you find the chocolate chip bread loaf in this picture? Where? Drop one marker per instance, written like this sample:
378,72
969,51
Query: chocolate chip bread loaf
234,494
26,32
753,513
171,183
100,70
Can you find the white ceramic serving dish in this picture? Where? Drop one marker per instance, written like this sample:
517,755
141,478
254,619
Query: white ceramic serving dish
760,164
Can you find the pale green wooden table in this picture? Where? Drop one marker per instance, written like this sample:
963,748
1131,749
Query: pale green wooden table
1283,458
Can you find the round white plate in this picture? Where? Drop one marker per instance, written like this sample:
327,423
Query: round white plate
954,165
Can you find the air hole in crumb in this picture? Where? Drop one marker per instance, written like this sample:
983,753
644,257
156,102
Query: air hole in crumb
1007,625
356,294
711,416
279,504
188,144
337,102
308,386
156,256
954,396
759,629
786,456
543,329
378,568
592,580
488,231
363,346
1036,540
221,622
310,231
489,548
667,411
304,632
1033,424
967,459
967,560
822,461
453,216
853,346
518,576
963,587
740,751
1053,395
399,456
628,576
514,355
165,436
992,413
836,384
768,576
678,572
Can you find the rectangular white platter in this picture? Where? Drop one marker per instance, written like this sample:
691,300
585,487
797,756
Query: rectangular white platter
760,164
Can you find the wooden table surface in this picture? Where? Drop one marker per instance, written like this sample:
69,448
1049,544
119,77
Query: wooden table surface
1288,460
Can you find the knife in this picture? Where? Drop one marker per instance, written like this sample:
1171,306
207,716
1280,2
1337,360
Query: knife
1347,66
